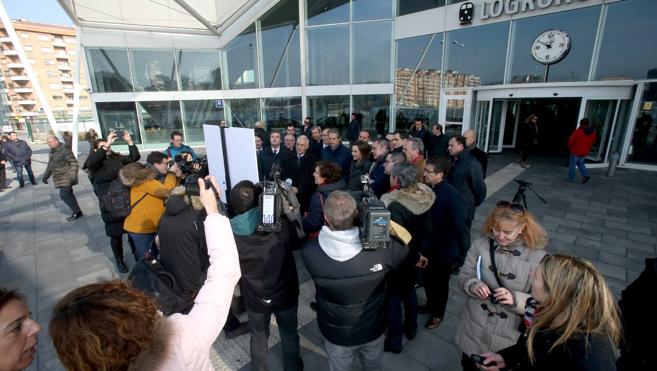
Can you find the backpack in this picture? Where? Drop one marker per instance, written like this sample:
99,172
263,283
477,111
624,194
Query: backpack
150,277
117,200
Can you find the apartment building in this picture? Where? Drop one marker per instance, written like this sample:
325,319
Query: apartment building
50,50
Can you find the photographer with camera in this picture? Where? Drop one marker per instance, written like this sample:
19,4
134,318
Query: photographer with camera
496,277
409,206
147,195
350,286
269,283
176,146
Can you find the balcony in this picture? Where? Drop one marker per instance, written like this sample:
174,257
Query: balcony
66,79
23,90
26,102
15,65
59,43
61,55
9,52
19,78
63,67
5,40
68,91
27,114
70,102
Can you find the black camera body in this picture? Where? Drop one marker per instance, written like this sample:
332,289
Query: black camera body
277,200
373,218
193,169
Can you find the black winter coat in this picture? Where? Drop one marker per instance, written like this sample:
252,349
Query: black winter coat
438,146
355,172
103,170
314,219
353,129
301,174
18,153
183,249
351,294
269,280
468,179
637,307
266,160
62,166
449,229
480,156
3,157
340,156
380,180
577,354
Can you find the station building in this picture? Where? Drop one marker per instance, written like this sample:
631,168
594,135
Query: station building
486,65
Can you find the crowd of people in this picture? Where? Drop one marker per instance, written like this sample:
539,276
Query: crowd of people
524,309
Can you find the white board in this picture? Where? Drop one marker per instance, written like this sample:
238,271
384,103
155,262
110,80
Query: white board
240,149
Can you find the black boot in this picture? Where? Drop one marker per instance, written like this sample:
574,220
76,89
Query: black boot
75,216
120,265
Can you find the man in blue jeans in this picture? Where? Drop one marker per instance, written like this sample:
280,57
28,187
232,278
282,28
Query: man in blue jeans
19,153
579,144
269,282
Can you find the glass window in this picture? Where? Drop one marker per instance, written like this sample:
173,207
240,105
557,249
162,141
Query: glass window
376,112
476,56
328,55
154,70
423,88
244,112
413,6
159,119
372,48
199,69
580,25
110,70
363,10
644,139
114,116
409,52
327,11
199,112
241,60
280,45
280,111
330,111
627,27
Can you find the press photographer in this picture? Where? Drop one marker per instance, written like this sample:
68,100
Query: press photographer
350,286
269,283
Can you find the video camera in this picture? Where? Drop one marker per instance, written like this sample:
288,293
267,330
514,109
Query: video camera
193,169
373,218
277,200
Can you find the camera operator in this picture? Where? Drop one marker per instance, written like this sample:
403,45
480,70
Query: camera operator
380,181
269,283
298,166
328,179
145,185
350,286
410,207
176,146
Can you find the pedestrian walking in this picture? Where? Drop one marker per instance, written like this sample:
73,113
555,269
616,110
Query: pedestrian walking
63,167
19,154
579,144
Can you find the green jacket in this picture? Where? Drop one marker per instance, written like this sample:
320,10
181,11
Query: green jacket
63,166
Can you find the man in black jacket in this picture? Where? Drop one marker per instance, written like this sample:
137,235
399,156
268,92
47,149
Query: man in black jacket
471,145
269,155
19,154
269,282
438,143
63,167
298,166
350,286
467,177
449,230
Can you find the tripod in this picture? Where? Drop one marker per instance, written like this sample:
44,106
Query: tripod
520,193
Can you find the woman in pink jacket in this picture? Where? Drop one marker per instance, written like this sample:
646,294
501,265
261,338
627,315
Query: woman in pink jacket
110,326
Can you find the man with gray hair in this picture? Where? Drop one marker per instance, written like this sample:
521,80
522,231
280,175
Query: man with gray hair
338,153
410,206
413,150
63,167
471,145
298,166
350,286
379,180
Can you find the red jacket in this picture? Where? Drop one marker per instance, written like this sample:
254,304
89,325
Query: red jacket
581,141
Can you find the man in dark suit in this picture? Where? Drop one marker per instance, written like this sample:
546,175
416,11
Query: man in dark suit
316,141
298,166
471,145
307,127
269,155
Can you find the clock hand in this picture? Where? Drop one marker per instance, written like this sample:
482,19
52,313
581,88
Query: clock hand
547,45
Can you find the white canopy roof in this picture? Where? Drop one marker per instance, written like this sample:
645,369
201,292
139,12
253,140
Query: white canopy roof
209,17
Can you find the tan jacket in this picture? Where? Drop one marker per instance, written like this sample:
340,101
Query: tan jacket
476,332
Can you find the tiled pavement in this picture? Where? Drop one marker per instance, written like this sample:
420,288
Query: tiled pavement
613,222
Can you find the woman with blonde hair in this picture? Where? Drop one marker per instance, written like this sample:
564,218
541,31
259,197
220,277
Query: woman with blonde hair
111,326
575,325
496,277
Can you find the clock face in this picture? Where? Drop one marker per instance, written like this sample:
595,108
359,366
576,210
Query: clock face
551,46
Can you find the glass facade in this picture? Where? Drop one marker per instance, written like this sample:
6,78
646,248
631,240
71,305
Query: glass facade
376,112
413,6
625,21
241,60
154,70
372,47
330,111
199,112
643,147
244,113
327,11
110,70
199,69
115,116
278,112
365,10
328,55
280,45
159,119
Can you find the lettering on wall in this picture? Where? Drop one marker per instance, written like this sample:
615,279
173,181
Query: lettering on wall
497,8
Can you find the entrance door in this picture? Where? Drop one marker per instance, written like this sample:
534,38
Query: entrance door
601,114
455,107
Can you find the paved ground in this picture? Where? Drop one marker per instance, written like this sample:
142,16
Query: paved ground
613,222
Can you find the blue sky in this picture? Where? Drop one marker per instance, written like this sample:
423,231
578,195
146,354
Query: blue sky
42,11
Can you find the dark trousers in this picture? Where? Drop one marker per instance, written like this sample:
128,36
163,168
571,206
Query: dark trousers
401,323
436,285
3,177
467,363
66,194
143,243
19,173
342,358
117,246
287,328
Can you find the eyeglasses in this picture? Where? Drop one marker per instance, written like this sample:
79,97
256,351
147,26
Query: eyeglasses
511,205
